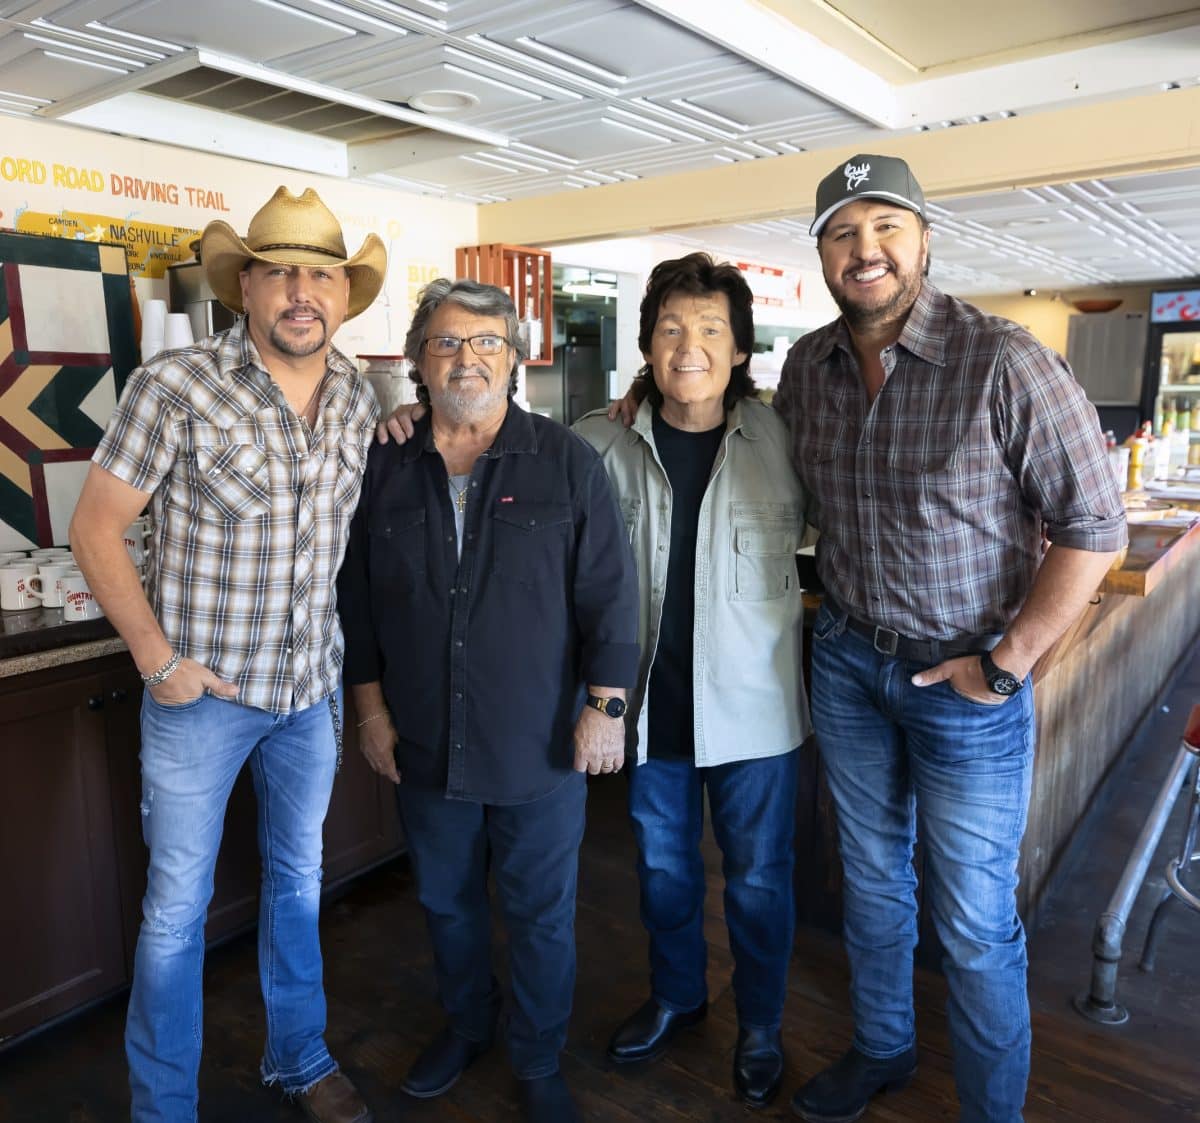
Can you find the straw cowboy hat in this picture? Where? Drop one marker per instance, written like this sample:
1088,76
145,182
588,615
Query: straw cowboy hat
290,230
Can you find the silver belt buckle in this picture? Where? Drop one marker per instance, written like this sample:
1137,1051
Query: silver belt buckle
885,641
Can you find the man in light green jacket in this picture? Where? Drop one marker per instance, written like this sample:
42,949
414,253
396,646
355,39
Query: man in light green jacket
715,514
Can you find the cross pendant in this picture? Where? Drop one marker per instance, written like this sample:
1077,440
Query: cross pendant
461,500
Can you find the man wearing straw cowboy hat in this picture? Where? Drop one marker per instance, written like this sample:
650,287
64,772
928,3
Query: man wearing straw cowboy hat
249,445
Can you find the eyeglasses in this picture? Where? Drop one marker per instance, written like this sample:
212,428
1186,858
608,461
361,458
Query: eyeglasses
444,346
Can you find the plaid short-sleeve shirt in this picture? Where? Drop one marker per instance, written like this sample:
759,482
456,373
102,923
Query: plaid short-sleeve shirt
933,499
250,516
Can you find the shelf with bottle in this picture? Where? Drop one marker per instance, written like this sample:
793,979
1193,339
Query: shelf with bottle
524,272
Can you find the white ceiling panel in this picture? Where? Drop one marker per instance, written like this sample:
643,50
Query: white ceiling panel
578,93
255,29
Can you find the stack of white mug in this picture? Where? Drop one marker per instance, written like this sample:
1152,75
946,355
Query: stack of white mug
49,577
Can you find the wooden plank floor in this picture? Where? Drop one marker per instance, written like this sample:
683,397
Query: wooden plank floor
382,1006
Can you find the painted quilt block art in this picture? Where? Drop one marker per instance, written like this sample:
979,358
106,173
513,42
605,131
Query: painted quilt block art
67,345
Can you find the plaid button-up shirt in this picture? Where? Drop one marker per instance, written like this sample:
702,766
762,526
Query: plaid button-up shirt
250,519
932,500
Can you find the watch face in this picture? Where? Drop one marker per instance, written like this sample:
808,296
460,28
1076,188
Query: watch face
614,707
1004,684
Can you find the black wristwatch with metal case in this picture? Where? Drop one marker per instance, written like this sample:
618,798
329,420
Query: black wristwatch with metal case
999,681
613,707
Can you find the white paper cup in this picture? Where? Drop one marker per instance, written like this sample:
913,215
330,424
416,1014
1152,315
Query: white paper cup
46,584
15,595
154,318
178,332
78,601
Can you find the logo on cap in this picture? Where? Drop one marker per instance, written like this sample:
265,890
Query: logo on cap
855,174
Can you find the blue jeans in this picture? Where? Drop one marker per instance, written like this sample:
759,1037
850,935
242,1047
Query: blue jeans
898,756
532,850
752,806
191,755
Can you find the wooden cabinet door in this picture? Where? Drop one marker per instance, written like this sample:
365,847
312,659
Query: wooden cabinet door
61,941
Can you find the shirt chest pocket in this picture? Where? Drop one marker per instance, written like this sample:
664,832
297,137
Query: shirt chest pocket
765,539
347,478
232,482
531,543
397,546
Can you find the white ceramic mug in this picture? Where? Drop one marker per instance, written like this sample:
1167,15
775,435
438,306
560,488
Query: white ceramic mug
7,556
135,542
15,595
46,584
78,601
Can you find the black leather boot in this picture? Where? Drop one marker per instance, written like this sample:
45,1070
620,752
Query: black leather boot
546,1100
757,1065
441,1063
649,1030
841,1093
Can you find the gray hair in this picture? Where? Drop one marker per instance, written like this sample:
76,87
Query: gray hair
474,296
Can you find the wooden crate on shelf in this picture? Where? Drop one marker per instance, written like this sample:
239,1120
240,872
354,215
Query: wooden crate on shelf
524,272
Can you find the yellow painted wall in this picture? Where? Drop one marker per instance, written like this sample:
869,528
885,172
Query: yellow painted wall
93,185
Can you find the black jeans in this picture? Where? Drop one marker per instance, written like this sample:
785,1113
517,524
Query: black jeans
532,849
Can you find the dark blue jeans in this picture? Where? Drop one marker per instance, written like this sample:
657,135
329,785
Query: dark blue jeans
899,755
532,850
752,806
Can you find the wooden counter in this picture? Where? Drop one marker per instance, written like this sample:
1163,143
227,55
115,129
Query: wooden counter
72,860
1156,546
1092,689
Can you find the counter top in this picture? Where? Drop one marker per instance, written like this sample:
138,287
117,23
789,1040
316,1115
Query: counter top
1155,548
42,638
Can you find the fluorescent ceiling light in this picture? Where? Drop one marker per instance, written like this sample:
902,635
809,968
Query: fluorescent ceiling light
84,62
70,33
82,50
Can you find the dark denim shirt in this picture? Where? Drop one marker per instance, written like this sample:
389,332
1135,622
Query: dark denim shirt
484,662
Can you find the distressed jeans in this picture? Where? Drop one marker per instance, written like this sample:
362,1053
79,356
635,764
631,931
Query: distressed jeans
191,755
899,757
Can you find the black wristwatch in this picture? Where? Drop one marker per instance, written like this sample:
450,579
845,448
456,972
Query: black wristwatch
999,681
613,707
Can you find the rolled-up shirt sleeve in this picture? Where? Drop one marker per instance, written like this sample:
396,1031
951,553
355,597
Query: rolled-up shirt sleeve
605,586
1056,451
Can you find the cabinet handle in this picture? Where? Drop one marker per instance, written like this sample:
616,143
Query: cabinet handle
96,702
119,695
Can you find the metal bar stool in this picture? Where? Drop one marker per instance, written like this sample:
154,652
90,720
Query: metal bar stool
1099,1002
1175,889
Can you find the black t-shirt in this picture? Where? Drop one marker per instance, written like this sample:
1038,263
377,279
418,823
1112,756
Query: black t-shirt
688,461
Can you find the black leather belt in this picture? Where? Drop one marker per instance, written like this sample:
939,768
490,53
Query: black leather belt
928,651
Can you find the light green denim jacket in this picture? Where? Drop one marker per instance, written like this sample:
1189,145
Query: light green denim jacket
748,689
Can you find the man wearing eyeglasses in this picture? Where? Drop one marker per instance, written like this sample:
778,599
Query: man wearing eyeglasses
494,536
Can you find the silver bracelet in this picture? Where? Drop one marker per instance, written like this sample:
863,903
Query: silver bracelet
164,672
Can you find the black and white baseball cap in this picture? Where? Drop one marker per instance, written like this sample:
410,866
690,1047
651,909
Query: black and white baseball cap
867,177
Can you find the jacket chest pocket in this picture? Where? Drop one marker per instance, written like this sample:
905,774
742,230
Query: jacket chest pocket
232,482
531,542
765,539
397,547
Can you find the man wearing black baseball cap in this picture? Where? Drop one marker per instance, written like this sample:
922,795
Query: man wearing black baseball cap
937,444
